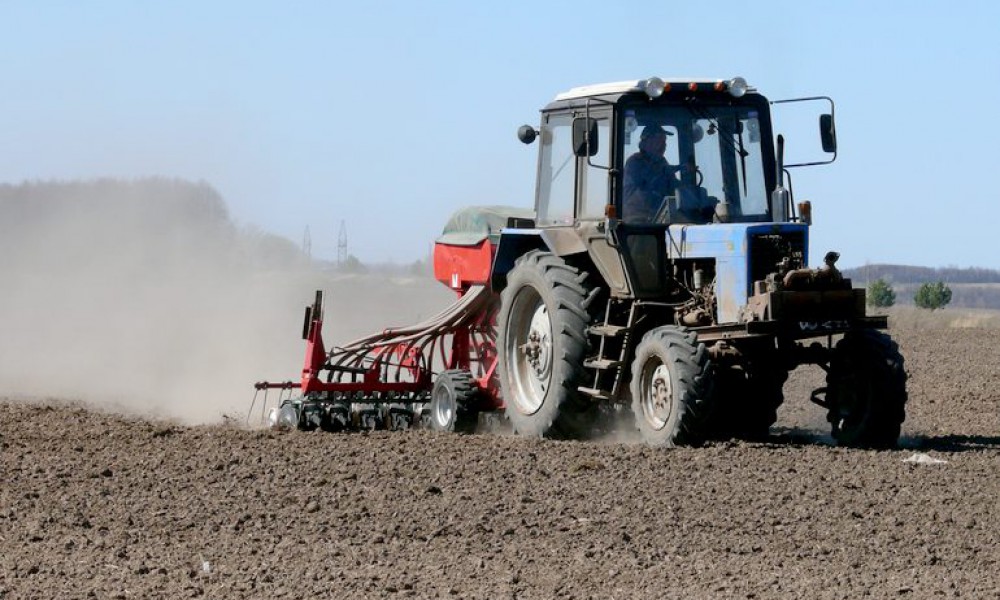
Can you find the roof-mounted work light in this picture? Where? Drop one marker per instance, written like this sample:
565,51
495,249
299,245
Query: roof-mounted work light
653,87
738,87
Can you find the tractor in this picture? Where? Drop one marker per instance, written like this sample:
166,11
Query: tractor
670,278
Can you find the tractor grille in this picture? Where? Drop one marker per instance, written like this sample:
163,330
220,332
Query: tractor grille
766,251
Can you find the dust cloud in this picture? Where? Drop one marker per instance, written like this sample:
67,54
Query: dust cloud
144,297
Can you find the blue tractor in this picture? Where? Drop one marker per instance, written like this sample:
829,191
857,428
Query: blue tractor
666,270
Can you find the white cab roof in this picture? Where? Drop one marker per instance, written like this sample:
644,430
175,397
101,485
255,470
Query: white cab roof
621,87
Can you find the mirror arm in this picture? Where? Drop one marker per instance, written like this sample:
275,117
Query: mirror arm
832,115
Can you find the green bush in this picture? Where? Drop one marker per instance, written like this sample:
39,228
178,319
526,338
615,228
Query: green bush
933,296
880,294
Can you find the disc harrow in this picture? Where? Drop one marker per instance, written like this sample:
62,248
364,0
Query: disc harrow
385,380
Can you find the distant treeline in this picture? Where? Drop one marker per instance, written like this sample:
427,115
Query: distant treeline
153,222
904,274
51,227
971,287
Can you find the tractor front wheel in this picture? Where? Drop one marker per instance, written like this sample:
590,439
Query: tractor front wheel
671,387
866,391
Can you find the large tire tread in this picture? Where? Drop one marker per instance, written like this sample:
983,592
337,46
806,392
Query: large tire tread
872,358
691,375
564,414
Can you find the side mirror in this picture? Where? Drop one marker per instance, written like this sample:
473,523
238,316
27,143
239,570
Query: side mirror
828,133
526,133
585,136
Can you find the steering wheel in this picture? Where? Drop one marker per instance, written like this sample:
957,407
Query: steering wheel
687,167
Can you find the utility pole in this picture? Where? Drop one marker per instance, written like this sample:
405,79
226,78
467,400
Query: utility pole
307,244
342,245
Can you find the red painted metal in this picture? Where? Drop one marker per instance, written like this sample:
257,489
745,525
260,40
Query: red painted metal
459,267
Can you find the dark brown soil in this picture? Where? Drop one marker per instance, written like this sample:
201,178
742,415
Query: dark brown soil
97,505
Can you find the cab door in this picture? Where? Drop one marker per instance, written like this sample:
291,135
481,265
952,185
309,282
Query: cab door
629,257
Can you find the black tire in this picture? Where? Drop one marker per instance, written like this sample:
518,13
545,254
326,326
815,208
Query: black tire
745,403
866,391
451,402
542,342
671,387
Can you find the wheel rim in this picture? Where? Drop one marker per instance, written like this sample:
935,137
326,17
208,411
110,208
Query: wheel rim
443,408
529,351
657,398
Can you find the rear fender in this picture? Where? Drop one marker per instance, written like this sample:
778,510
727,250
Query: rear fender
513,243
561,241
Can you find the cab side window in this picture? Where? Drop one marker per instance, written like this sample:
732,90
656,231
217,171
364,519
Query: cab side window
594,179
557,172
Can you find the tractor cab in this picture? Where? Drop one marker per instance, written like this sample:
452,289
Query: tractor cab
657,152
657,178
664,152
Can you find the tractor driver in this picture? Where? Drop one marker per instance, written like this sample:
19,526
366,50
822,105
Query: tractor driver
648,176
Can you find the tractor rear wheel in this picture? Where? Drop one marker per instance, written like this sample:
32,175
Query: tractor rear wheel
542,343
866,391
451,398
671,387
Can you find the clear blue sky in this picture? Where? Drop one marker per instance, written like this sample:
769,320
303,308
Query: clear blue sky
391,115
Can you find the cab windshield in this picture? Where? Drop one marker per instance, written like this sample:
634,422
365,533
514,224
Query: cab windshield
693,164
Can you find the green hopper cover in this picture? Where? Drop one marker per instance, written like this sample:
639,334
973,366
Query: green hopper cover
471,225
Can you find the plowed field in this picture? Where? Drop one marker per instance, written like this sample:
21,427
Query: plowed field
93,504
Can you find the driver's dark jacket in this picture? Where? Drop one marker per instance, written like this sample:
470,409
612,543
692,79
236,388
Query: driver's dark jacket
654,177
